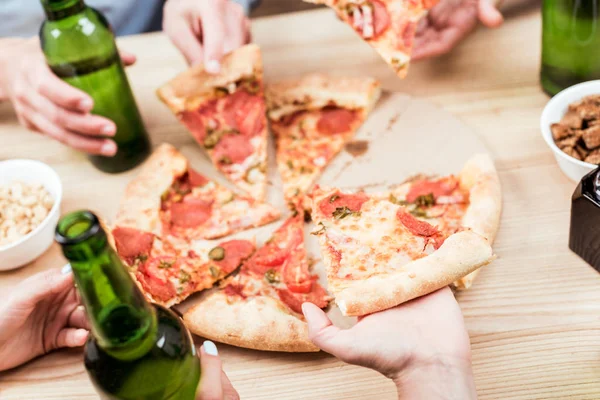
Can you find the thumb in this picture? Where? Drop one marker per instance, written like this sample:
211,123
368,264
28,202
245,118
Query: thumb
489,14
324,334
210,386
128,58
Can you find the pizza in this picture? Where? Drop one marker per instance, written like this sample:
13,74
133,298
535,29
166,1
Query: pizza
168,275
389,26
312,119
383,249
226,115
172,201
260,307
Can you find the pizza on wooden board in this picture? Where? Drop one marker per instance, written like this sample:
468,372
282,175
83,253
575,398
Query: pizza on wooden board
260,307
383,249
389,26
312,119
226,115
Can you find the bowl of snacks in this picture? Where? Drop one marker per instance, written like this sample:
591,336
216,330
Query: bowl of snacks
570,126
30,195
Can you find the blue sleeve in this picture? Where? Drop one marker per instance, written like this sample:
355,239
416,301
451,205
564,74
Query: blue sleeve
247,4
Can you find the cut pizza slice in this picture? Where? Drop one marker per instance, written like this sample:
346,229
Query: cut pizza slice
312,119
260,307
389,26
383,249
166,275
226,115
176,203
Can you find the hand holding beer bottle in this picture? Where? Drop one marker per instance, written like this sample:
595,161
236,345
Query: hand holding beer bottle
46,104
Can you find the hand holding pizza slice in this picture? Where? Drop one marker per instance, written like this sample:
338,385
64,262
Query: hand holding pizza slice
389,26
383,249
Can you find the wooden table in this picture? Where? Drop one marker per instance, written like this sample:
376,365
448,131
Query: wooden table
533,316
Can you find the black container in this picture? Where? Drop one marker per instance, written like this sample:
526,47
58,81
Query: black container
584,235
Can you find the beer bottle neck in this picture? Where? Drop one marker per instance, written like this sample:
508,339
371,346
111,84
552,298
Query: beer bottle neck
122,321
60,9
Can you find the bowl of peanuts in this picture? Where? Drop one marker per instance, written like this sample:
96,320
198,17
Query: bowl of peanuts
30,196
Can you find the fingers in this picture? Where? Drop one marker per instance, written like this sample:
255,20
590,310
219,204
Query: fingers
229,392
59,92
238,28
78,319
39,286
489,14
86,124
324,334
127,58
71,337
210,387
188,43
86,144
213,34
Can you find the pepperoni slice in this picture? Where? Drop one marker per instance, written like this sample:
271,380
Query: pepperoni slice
381,18
295,273
415,226
406,35
236,251
335,120
132,243
294,301
190,213
232,149
197,121
154,280
275,252
354,202
245,112
196,179
441,187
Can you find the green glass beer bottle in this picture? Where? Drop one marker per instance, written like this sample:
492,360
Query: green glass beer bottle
570,43
80,49
137,350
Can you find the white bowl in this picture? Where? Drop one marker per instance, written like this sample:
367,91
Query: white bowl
553,112
36,242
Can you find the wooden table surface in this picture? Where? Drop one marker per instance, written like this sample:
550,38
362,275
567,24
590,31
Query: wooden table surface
533,315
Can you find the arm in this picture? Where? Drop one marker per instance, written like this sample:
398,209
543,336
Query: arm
422,346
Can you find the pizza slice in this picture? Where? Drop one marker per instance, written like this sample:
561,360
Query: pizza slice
226,115
383,249
171,200
260,307
167,275
312,119
389,26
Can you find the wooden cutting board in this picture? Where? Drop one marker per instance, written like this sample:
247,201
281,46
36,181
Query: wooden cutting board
402,137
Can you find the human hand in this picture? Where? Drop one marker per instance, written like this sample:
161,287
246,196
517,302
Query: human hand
46,104
449,22
414,344
42,314
205,30
214,384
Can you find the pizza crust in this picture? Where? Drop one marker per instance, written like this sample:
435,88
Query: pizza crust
192,87
480,179
259,323
316,91
460,254
140,205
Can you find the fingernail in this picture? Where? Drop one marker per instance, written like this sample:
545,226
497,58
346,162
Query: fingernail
66,269
108,130
108,149
210,348
213,66
86,104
